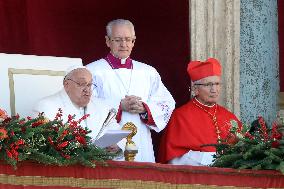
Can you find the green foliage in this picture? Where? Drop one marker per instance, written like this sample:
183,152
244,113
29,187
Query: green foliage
48,142
261,149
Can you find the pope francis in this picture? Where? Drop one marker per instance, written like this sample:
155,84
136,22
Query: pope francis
75,98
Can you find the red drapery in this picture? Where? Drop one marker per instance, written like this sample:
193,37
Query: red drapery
73,28
134,175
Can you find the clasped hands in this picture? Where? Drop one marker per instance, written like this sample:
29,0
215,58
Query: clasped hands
132,104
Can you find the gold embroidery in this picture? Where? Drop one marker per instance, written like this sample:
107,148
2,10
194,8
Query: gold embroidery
214,119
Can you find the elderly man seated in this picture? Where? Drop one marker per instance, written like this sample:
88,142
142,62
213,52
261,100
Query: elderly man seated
199,122
75,98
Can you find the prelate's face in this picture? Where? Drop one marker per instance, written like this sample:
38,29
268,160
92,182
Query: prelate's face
122,41
79,87
209,92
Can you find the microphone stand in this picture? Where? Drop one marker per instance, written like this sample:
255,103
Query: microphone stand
110,116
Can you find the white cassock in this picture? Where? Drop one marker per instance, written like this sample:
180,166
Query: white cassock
97,109
143,81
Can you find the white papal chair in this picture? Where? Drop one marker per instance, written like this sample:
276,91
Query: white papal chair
24,79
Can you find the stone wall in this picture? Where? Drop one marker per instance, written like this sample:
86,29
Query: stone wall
242,34
215,32
259,57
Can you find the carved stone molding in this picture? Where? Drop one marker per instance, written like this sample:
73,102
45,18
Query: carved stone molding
215,32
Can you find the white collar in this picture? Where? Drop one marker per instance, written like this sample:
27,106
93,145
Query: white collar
204,104
123,60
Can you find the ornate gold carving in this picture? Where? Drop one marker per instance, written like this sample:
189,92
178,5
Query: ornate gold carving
130,147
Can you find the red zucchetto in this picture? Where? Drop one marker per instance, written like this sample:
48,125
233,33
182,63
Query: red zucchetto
198,70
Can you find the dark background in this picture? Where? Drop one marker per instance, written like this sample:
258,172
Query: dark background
73,28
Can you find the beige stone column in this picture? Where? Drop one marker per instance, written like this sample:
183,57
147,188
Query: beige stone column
215,32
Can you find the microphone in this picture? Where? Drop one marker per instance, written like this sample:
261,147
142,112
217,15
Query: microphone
111,114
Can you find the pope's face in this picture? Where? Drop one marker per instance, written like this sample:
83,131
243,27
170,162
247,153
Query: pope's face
207,91
121,41
78,86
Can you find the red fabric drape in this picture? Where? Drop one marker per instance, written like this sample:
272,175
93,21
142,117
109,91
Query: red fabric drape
134,175
73,28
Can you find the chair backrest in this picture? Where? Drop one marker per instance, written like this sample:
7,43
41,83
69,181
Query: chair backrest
24,79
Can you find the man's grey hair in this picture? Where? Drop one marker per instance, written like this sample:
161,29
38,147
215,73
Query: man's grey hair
118,22
71,72
194,83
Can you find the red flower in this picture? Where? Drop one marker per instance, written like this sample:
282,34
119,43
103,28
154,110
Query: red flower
83,118
59,114
20,142
12,133
81,140
69,118
39,122
9,154
23,129
22,122
36,124
82,131
63,145
55,129
232,139
275,144
3,114
3,133
17,116
65,156
275,134
263,128
73,124
248,135
7,120
64,133
50,141
15,153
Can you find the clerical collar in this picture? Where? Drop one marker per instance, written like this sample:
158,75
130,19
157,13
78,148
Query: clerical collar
204,104
117,63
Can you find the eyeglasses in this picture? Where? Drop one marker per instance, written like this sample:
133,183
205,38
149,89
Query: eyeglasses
83,86
120,40
210,84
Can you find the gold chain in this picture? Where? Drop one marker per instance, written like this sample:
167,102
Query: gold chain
214,118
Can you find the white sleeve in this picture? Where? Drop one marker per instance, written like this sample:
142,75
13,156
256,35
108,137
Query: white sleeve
160,103
42,107
49,106
195,158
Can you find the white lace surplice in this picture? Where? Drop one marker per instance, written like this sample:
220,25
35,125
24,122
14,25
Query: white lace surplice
145,82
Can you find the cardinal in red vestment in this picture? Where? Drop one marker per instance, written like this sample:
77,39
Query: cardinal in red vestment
199,122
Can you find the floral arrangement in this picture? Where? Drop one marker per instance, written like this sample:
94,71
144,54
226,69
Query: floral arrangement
252,147
48,142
